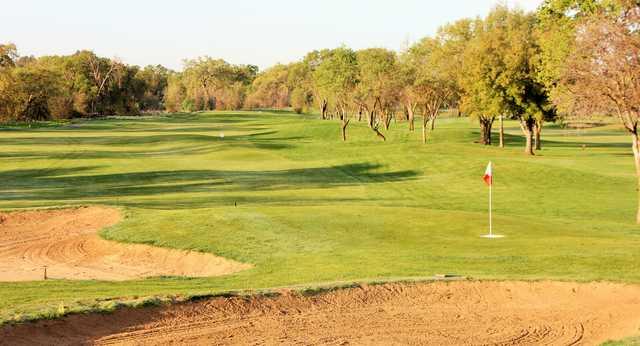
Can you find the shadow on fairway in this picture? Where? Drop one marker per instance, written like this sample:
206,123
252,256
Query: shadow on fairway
213,121
181,144
511,140
76,184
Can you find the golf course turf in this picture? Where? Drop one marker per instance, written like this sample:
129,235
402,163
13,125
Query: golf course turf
283,193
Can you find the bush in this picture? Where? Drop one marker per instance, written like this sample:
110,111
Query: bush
299,100
188,105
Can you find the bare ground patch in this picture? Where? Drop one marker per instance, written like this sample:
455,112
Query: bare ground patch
66,241
438,313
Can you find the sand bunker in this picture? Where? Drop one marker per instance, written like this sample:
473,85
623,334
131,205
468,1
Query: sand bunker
455,313
67,243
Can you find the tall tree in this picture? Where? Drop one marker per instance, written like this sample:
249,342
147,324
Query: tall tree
408,97
335,79
270,89
455,38
25,93
101,71
434,83
378,88
555,33
300,82
155,79
500,74
175,93
603,69
215,84
310,64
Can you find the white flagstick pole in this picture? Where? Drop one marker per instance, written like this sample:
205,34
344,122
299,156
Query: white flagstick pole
490,173
490,206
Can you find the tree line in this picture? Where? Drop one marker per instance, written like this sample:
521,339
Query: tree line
570,57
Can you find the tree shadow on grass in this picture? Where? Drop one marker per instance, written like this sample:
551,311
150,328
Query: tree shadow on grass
205,121
511,140
182,144
66,184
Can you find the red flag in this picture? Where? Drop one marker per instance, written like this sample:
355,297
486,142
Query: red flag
488,175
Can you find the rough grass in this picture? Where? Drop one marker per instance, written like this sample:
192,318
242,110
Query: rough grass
282,192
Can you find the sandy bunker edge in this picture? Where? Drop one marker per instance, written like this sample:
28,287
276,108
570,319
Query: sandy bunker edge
66,241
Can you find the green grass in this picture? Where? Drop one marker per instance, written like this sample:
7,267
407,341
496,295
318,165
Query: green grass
311,209
635,341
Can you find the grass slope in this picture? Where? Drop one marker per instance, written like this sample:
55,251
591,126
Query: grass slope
311,209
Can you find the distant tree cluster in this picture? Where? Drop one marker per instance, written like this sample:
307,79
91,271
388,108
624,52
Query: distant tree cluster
55,87
209,84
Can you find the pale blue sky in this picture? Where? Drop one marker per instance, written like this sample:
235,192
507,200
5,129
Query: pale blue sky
240,31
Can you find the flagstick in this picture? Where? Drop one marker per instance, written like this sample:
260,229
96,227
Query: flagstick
490,216
491,235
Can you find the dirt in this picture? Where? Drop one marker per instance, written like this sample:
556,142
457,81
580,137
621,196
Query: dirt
438,313
66,241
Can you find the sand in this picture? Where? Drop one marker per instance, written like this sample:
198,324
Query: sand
66,241
437,313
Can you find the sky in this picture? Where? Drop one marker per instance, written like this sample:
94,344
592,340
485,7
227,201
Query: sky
259,32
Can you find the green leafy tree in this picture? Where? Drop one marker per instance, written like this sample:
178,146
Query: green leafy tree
25,93
335,79
555,34
378,87
306,71
434,82
299,100
270,89
155,82
216,84
175,93
300,82
499,75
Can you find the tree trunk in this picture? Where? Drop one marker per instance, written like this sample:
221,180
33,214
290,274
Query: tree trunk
411,114
636,157
501,131
538,130
344,130
527,129
323,109
433,121
387,120
380,135
344,122
528,149
424,129
485,130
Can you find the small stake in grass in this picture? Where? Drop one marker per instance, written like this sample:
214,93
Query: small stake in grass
488,179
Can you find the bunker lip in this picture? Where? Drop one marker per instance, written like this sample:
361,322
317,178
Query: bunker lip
457,312
67,244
